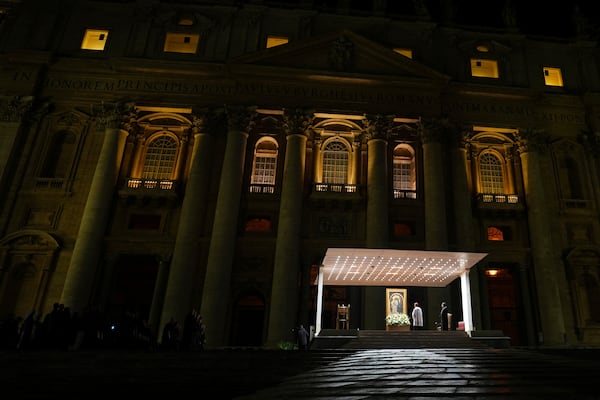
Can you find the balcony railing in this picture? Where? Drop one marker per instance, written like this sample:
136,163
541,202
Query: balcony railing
405,194
499,202
335,188
158,184
158,189
261,188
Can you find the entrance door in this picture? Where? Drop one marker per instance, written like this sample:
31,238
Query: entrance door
504,303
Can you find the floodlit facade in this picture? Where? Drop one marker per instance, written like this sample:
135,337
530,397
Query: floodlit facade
158,157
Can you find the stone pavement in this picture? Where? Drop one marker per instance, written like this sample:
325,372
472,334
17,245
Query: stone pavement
245,374
478,374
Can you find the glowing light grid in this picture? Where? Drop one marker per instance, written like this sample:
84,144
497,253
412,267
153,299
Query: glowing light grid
384,267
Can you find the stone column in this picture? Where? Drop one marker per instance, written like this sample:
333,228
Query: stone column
215,295
160,287
89,242
287,263
183,269
435,200
547,263
436,237
464,224
378,129
526,296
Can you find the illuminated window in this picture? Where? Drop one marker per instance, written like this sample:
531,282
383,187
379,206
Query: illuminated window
94,39
273,41
484,68
490,170
405,52
258,224
552,76
402,229
404,168
494,233
181,43
265,162
335,163
482,48
160,158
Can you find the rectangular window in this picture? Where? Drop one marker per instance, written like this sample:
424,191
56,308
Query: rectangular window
273,41
181,43
405,52
94,39
484,68
552,76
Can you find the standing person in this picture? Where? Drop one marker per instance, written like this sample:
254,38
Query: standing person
417,317
302,337
444,316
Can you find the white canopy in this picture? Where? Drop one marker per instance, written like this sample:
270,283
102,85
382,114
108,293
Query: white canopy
385,267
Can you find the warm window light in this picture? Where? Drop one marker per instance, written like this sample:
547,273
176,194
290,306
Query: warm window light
273,41
405,52
484,68
94,39
491,272
553,76
482,48
181,43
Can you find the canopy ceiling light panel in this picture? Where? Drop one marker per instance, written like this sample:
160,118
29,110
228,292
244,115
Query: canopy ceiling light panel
384,267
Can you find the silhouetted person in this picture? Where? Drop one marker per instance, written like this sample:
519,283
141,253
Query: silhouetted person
303,336
417,317
444,316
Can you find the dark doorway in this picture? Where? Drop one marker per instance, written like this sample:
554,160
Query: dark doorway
132,287
248,319
504,303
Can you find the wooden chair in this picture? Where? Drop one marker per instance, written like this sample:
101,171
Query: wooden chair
342,321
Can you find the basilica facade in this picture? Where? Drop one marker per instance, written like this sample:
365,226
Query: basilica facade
162,157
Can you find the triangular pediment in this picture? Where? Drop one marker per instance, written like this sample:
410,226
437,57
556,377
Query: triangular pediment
340,53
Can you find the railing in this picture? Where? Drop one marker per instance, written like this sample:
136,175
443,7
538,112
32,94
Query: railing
261,188
151,184
335,188
405,194
498,198
49,183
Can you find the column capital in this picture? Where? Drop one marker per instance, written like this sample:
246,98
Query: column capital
13,109
117,115
241,118
378,126
532,140
297,121
591,141
433,129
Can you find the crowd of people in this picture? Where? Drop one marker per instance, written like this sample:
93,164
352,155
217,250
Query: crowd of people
62,329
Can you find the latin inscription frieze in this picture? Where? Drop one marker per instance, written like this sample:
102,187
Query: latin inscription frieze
384,96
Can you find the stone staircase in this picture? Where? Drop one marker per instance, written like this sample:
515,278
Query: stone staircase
379,339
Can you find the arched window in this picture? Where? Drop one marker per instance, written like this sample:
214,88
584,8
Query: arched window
404,174
570,179
160,159
264,167
335,163
490,168
60,155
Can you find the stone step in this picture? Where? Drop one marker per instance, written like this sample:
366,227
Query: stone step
379,339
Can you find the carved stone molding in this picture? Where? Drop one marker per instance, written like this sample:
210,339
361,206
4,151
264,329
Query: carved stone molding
297,121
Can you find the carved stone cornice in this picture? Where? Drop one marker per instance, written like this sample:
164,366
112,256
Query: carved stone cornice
378,126
530,139
297,121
